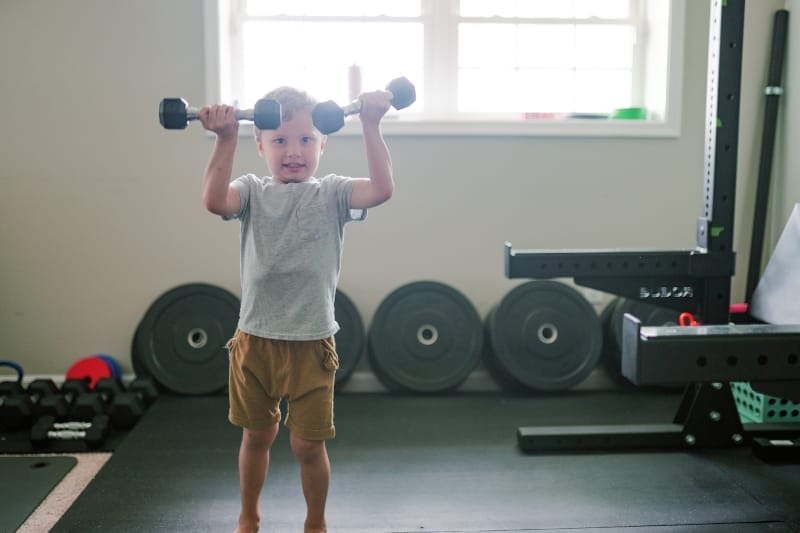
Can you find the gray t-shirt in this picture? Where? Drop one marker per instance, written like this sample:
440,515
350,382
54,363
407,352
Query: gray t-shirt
291,249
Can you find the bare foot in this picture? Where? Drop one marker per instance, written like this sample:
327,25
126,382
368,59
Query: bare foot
246,527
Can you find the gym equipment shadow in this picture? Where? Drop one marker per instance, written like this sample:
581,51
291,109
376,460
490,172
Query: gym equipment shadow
437,463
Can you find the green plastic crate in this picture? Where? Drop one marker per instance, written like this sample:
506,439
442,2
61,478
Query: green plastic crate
757,407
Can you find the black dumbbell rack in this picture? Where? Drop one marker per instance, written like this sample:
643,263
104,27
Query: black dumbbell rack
697,280
122,407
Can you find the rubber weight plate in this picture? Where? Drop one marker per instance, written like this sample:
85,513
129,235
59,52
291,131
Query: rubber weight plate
499,375
92,368
648,314
545,335
139,369
350,338
116,369
181,340
425,337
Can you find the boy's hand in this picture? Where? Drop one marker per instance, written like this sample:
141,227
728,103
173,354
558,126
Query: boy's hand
374,105
221,119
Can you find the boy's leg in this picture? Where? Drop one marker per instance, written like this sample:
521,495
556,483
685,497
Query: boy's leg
253,466
310,421
255,406
315,475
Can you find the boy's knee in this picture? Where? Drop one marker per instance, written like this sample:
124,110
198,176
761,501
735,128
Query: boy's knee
307,450
260,438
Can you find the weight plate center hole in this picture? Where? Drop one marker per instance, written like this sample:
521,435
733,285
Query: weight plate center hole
427,334
548,333
197,338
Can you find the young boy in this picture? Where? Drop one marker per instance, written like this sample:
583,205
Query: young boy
292,228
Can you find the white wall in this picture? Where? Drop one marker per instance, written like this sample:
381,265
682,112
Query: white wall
100,208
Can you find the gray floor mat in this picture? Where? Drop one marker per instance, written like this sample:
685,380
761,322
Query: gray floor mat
25,482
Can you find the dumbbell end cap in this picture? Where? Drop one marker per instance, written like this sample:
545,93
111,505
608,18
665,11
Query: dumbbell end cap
172,113
328,117
403,92
267,114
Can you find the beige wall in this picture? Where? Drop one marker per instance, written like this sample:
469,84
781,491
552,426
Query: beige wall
100,207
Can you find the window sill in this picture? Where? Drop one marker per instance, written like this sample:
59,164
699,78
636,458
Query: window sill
392,125
397,126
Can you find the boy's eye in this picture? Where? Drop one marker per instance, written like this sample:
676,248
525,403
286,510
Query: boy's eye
307,139
279,140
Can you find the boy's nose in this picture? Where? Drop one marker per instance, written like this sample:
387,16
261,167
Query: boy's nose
293,148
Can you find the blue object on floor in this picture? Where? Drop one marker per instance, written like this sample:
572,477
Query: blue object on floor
116,369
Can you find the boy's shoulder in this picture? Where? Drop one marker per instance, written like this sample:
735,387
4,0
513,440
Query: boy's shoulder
334,180
252,179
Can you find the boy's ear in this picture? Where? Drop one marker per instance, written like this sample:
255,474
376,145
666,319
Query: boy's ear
322,144
260,146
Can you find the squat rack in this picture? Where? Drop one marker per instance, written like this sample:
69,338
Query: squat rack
697,280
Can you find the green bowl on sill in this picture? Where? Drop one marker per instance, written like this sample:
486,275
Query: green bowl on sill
629,113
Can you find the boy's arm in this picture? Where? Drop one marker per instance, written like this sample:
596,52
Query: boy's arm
218,195
380,185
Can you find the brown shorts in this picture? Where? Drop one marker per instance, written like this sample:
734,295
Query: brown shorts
265,371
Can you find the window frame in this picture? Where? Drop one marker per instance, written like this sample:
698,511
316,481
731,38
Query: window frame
220,82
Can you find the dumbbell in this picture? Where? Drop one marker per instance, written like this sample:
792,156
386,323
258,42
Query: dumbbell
124,406
328,117
93,433
128,407
89,404
175,114
18,406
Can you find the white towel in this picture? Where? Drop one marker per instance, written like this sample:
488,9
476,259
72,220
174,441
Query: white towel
776,299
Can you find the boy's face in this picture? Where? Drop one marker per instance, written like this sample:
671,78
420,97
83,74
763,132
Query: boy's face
292,151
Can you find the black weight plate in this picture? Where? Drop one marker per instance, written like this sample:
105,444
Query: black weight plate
425,337
138,367
648,314
181,340
605,317
499,375
350,338
546,335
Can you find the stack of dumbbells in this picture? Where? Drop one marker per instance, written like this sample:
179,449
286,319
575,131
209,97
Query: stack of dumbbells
74,416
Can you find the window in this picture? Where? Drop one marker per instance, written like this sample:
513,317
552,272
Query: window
499,66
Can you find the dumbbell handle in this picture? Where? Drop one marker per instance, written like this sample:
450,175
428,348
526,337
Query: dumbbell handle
71,425
354,107
193,113
66,434
329,117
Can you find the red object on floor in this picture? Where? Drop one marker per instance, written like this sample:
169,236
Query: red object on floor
94,368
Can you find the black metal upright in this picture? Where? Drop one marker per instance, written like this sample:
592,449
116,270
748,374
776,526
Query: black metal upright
715,226
772,94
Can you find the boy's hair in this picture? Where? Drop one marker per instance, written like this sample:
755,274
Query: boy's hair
292,100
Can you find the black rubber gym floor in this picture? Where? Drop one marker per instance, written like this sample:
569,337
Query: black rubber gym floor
438,464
